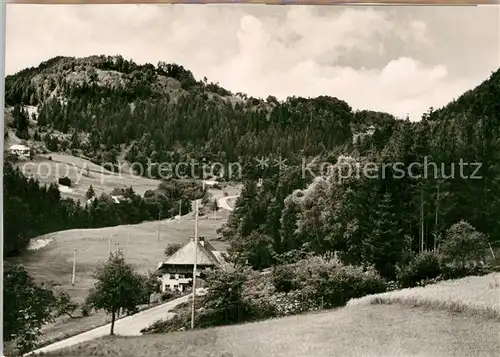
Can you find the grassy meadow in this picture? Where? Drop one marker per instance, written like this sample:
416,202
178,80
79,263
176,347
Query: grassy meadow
364,328
473,295
53,263
361,331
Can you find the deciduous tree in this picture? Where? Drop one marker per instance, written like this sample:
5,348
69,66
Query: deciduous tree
118,287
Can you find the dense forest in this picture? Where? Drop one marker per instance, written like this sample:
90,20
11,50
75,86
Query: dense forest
386,218
160,113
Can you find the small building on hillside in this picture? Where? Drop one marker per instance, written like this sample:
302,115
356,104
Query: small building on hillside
118,198
176,272
358,137
21,151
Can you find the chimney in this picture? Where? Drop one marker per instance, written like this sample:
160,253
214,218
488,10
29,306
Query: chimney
202,241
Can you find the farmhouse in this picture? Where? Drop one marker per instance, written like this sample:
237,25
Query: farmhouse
22,151
176,273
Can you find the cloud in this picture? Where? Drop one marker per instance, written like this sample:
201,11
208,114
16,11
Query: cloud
399,60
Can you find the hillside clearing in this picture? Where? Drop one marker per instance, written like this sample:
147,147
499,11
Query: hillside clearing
103,181
366,331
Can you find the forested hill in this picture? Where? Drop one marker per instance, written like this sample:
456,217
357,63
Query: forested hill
162,113
482,101
109,104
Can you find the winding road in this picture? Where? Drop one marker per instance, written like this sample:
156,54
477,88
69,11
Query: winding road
222,202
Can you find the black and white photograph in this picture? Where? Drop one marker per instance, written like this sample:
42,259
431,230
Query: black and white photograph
251,180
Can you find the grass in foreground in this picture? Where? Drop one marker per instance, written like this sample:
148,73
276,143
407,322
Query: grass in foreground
365,330
477,295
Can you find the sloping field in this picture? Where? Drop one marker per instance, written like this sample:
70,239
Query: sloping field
83,173
476,295
53,262
361,331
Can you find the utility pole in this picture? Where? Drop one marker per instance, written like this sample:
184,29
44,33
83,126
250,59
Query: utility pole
180,210
128,241
436,219
422,219
195,263
491,250
159,224
74,268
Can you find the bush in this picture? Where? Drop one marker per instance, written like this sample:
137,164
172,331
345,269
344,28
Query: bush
64,305
171,249
65,181
464,247
423,266
336,287
246,295
312,284
457,272
169,295
85,310
316,283
284,279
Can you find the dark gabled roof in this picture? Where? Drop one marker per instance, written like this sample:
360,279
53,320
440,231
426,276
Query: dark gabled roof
186,255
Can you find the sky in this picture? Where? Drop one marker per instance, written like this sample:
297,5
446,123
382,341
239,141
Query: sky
400,60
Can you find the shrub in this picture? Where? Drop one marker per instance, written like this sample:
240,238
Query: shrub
246,295
423,266
171,249
463,246
336,287
284,279
225,297
315,283
85,310
457,272
168,295
64,305
65,181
